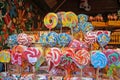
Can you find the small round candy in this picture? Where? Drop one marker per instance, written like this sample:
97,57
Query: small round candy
87,26
52,38
98,59
103,39
51,20
12,40
82,18
64,39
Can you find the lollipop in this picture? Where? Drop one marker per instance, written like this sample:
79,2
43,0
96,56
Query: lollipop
43,39
103,39
113,57
90,37
76,29
53,56
22,39
70,19
82,18
4,56
12,40
60,15
87,26
75,44
98,59
82,57
50,20
83,45
31,54
64,39
52,38
98,32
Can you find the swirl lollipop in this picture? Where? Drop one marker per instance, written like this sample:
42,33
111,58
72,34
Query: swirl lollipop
98,59
12,40
53,56
51,20
43,39
103,39
22,39
82,18
4,56
64,39
31,54
52,38
77,29
87,26
113,57
60,17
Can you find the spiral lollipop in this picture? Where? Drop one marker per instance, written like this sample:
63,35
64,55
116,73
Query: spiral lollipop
77,29
4,56
82,18
52,38
22,39
31,54
43,39
98,59
64,39
53,56
87,26
60,17
12,40
70,19
113,57
51,20
103,39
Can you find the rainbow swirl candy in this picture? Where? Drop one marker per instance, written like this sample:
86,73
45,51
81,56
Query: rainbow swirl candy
4,56
98,59
70,19
51,20
60,17
103,39
43,39
52,38
113,57
64,39
87,26
12,40
82,18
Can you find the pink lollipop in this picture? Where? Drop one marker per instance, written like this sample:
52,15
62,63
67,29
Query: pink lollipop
90,37
53,57
75,44
22,39
82,57
31,54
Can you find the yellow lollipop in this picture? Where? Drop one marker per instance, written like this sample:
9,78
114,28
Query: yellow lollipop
4,56
51,20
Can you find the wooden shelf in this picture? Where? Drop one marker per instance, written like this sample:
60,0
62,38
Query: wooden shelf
114,43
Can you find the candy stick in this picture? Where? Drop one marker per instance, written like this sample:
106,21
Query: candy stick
97,77
5,67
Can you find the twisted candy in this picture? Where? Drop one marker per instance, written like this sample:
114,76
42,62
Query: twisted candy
50,20
98,59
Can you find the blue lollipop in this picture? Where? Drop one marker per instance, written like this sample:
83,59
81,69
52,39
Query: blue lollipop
64,39
98,59
43,39
12,40
52,38
82,18
76,29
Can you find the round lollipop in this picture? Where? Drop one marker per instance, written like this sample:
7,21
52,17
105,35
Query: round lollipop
51,20
43,39
31,54
64,39
22,39
53,57
60,17
98,59
103,39
75,44
4,56
76,29
52,38
82,18
12,40
113,57
70,19
87,26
